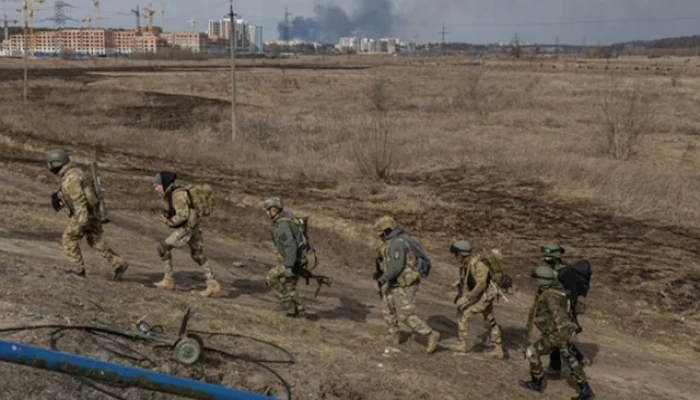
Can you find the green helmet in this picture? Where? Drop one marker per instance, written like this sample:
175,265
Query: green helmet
460,246
544,276
275,202
55,159
552,250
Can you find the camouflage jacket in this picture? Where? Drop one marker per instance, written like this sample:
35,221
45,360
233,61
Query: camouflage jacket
178,208
78,194
551,316
288,239
474,276
396,260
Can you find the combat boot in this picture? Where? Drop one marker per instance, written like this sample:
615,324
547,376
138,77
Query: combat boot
433,338
120,270
393,338
213,288
585,392
495,352
77,272
461,347
167,283
536,384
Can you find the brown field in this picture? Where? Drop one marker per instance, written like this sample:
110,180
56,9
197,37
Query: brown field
504,153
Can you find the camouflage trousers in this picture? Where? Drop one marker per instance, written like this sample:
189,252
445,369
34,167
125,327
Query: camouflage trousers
400,306
94,234
546,345
284,287
484,306
181,237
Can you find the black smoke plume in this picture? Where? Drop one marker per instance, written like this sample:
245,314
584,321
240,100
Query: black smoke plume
373,18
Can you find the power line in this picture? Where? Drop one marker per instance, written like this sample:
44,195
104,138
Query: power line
443,32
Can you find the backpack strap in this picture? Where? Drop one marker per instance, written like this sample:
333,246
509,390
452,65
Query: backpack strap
304,241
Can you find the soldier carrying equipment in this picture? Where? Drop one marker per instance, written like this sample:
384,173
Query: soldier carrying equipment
99,192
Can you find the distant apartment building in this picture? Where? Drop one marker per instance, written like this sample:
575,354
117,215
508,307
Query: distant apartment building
193,41
247,37
368,45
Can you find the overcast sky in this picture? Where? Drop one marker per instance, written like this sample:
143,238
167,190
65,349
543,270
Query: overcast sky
477,21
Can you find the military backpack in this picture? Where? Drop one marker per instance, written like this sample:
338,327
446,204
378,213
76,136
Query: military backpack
492,259
201,199
422,263
303,224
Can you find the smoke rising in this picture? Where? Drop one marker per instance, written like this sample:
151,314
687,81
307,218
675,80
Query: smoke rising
373,18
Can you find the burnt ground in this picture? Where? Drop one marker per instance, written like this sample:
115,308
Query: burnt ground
640,331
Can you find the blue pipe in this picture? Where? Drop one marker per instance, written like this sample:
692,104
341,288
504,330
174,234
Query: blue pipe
72,364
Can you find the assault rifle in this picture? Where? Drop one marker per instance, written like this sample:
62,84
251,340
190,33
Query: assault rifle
321,280
378,274
57,200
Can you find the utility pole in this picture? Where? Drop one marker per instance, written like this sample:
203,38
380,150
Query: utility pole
232,17
443,32
556,47
25,41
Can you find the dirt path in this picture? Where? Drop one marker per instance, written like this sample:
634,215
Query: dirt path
339,353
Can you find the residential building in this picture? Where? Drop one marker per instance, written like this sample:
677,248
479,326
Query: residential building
192,41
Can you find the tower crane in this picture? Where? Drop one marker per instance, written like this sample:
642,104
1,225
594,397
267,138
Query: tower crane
149,14
6,25
137,12
193,24
162,15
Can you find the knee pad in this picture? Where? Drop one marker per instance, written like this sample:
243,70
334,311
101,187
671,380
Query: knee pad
530,353
164,251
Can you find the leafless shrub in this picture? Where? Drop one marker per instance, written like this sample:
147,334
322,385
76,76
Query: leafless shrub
378,96
626,112
375,151
475,94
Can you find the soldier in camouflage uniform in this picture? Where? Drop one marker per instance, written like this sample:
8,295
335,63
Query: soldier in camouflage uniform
552,255
478,297
549,313
78,195
399,282
293,251
179,215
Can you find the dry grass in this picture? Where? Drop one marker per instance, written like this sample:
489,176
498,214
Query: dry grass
338,125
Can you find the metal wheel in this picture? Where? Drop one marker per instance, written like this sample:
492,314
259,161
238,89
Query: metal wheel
188,350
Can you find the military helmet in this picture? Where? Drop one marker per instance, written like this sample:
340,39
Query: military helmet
544,276
384,223
275,202
553,250
460,246
56,159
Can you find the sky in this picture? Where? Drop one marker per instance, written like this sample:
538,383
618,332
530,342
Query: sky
474,21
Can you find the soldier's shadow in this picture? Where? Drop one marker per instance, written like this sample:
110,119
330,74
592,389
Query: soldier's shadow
445,325
250,287
349,309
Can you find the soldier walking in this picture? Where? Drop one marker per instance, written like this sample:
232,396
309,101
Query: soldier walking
552,255
399,283
475,276
549,314
293,253
180,215
77,193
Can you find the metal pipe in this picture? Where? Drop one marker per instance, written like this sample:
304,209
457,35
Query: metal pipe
72,364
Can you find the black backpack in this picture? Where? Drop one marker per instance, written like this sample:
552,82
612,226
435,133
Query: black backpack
576,279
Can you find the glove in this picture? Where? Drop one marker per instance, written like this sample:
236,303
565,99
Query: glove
506,282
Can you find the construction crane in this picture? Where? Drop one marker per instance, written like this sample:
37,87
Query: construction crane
162,15
137,12
97,18
193,24
6,25
149,14
30,17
